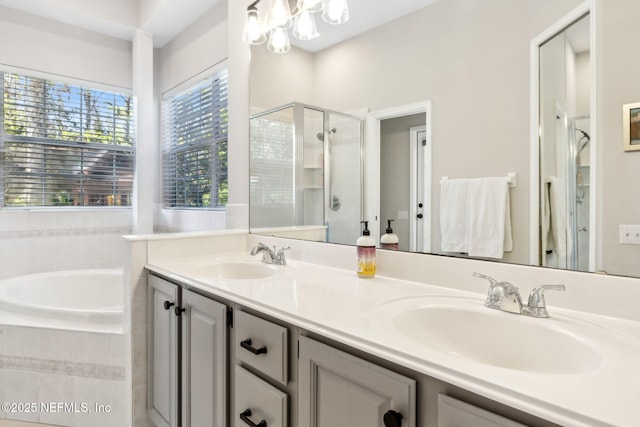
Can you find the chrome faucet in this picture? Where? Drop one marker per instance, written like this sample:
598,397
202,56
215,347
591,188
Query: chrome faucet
269,255
505,296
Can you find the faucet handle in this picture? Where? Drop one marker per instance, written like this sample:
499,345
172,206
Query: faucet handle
281,251
280,258
492,281
536,297
537,306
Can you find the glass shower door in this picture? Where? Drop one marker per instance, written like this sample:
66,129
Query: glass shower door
344,192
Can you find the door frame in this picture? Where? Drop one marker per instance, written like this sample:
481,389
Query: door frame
595,217
414,185
372,155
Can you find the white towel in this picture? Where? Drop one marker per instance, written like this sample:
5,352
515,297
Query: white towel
490,218
547,244
454,215
561,237
475,216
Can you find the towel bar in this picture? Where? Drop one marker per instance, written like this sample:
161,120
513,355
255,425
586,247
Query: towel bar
512,179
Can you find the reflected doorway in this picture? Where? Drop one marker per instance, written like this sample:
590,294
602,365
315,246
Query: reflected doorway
566,228
404,197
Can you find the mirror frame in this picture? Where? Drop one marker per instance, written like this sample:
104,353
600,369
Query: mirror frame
595,233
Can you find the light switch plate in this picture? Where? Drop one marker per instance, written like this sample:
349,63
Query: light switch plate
630,234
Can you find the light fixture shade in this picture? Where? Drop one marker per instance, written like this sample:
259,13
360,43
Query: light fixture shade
280,15
310,5
335,11
253,30
279,41
304,27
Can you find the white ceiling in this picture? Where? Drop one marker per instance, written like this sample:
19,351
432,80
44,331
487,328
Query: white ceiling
167,18
364,15
120,18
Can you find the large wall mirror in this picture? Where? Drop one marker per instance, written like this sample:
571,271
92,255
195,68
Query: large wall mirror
470,64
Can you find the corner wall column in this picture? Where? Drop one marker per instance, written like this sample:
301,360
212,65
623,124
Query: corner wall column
147,151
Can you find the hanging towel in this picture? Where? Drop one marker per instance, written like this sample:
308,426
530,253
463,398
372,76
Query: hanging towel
547,244
454,215
475,216
558,203
490,218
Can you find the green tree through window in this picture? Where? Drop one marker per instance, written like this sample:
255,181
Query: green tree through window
64,145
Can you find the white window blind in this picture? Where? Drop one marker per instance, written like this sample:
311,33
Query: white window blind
64,145
195,145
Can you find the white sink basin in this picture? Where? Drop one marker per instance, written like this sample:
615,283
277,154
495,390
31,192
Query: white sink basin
469,330
240,270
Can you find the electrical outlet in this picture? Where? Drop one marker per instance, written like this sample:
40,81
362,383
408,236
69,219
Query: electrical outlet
630,234
402,215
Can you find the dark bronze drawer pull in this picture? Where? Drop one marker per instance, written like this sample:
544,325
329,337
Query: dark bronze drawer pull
246,344
244,416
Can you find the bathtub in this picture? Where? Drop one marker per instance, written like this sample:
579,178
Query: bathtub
94,296
62,340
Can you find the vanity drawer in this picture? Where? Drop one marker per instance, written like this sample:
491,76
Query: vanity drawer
257,401
261,345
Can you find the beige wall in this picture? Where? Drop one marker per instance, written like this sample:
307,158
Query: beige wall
42,45
296,68
618,84
200,46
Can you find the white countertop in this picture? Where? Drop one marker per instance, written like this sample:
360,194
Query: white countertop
337,304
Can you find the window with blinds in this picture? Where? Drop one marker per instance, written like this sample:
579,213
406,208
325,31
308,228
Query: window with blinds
64,145
195,145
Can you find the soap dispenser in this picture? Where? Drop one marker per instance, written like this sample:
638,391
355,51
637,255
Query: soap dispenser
366,253
389,240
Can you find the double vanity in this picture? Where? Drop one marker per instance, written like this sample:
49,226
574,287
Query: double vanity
309,344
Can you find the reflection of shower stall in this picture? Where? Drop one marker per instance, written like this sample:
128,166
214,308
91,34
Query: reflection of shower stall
578,192
306,170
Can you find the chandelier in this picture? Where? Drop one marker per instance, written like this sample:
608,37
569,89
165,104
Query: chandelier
302,22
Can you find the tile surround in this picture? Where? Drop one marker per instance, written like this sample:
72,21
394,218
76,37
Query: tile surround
33,241
49,365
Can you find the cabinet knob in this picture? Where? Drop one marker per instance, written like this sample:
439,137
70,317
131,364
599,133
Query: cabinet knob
179,310
168,305
392,418
244,416
246,344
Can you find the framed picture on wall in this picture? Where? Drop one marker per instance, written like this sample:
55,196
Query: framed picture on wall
631,126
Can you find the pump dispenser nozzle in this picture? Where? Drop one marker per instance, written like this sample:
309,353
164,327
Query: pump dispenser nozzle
389,229
366,231
389,240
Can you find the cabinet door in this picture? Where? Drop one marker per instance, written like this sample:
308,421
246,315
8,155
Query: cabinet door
339,389
204,361
163,352
455,413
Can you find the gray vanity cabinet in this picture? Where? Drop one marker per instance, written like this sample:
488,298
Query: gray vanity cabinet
163,352
453,413
204,361
339,389
185,323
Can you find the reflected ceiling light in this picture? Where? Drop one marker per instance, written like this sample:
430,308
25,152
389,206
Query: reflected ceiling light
335,12
253,31
280,18
279,41
304,27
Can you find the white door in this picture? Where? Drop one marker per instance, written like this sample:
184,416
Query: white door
420,200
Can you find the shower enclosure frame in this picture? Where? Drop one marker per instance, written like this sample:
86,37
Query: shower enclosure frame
299,141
